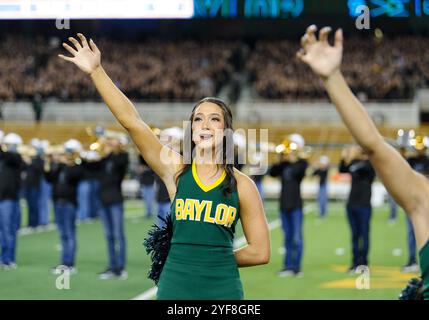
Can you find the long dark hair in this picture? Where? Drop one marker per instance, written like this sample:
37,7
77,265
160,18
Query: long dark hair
228,167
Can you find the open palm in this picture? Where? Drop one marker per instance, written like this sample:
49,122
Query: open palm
85,55
323,58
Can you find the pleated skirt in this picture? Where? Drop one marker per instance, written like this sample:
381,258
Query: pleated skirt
197,272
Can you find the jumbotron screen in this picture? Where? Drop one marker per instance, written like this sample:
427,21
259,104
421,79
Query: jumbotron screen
293,9
96,9
200,9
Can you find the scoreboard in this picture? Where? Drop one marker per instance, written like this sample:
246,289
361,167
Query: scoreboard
294,9
96,9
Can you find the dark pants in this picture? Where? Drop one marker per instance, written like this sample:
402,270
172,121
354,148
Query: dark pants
10,218
393,207
163,211
292,221
148,196
83,199
32,195
359,220
113,223
44,199
322,199
65,217
95,204
411,241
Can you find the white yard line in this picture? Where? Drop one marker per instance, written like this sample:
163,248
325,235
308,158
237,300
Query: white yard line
149,294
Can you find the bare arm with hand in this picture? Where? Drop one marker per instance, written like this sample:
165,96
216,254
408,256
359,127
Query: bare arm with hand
255,226
410,189
87,57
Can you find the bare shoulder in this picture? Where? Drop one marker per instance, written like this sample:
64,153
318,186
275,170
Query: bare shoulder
244,182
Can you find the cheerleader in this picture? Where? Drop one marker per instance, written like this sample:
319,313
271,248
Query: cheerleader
409,188
207,194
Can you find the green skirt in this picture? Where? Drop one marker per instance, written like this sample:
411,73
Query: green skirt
196,272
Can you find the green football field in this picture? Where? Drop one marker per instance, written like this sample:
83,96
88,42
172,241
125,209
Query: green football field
326,258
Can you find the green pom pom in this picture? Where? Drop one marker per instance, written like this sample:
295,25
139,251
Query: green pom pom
413,291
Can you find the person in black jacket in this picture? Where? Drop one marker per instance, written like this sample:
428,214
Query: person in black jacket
64,174
113,169
11,166
359,208
291,171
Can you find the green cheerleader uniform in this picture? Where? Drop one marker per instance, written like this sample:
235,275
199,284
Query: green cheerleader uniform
201,264
424,266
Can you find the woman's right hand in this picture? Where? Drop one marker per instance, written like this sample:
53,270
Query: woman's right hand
86,55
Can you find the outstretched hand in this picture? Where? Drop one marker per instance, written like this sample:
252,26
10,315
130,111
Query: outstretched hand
322,58
85,55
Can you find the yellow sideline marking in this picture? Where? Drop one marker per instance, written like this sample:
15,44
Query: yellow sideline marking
381,277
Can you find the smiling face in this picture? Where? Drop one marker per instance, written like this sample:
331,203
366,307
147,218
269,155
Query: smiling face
208,123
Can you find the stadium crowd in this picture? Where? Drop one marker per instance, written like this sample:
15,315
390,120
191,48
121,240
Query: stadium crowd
376,70
148,72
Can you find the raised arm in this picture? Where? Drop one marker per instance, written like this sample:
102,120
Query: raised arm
87,57
410,189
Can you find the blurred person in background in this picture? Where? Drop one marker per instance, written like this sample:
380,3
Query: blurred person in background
257,158
147,186
359,209
419,161
322,171
32,182
11,166
45,188
112,172
87,191
64,172
291,171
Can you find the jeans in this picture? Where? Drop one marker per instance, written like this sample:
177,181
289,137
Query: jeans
292,222
148,196
84,199
113,224
10,218
359,220
65,216
163,211
322,199
393,207
32,195
95,203
411,240
45,196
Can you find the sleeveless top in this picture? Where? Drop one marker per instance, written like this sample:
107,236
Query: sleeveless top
201,214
